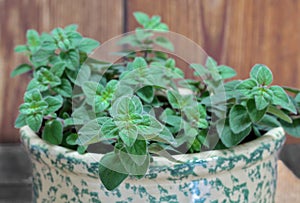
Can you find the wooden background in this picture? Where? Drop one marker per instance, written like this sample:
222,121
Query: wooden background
237,33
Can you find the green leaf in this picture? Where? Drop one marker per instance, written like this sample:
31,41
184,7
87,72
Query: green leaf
33,40
88,45
165,136
292,89
268,122
46,78
239,119
111,171
292,128
169,117
54,103
229,138
58,69
64,89
141,18
230,89
139,62
21,48
81,149
72,27
149,125
173,100
35,85
262,74
281,98
53,132
255,114
33,107
261,102
89,133
71,139
71,58
226,72
33,95
83,75
200,70
246,87
138,151
132,167
109,129
278,113
91,89
165,43
161,27
20,121
211,63
34,121
41,57
23,68
126,105
156,148
146,93
128,134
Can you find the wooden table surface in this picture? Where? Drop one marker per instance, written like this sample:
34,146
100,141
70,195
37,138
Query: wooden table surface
288,185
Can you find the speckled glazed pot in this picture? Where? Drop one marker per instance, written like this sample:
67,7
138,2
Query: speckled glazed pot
246,173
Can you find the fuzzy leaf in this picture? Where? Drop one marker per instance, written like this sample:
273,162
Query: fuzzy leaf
23,68
255,114
146,93
280,114
64,89
281,98
239,119
33,40
111,171
139,62
21,48
261,102
292,128
262,74
53,132
89,133
88,45
268,122
20,121
34,121
165,43
58,69
173,100
246,86
71,58
128,134
109,129
229,138
138,151
226,72
141,18
54,103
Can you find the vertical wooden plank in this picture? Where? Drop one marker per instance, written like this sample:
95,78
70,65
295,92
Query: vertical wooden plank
101,20
237,33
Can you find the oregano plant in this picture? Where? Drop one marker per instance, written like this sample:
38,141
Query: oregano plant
143,105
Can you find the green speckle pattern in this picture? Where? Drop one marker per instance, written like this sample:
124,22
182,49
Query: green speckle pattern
246,173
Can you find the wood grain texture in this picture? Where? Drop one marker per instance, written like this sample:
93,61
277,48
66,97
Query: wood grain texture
101,20
237,33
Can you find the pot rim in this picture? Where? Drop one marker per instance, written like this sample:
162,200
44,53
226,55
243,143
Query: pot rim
250,153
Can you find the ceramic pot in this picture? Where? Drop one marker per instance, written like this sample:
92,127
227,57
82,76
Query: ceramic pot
245,173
